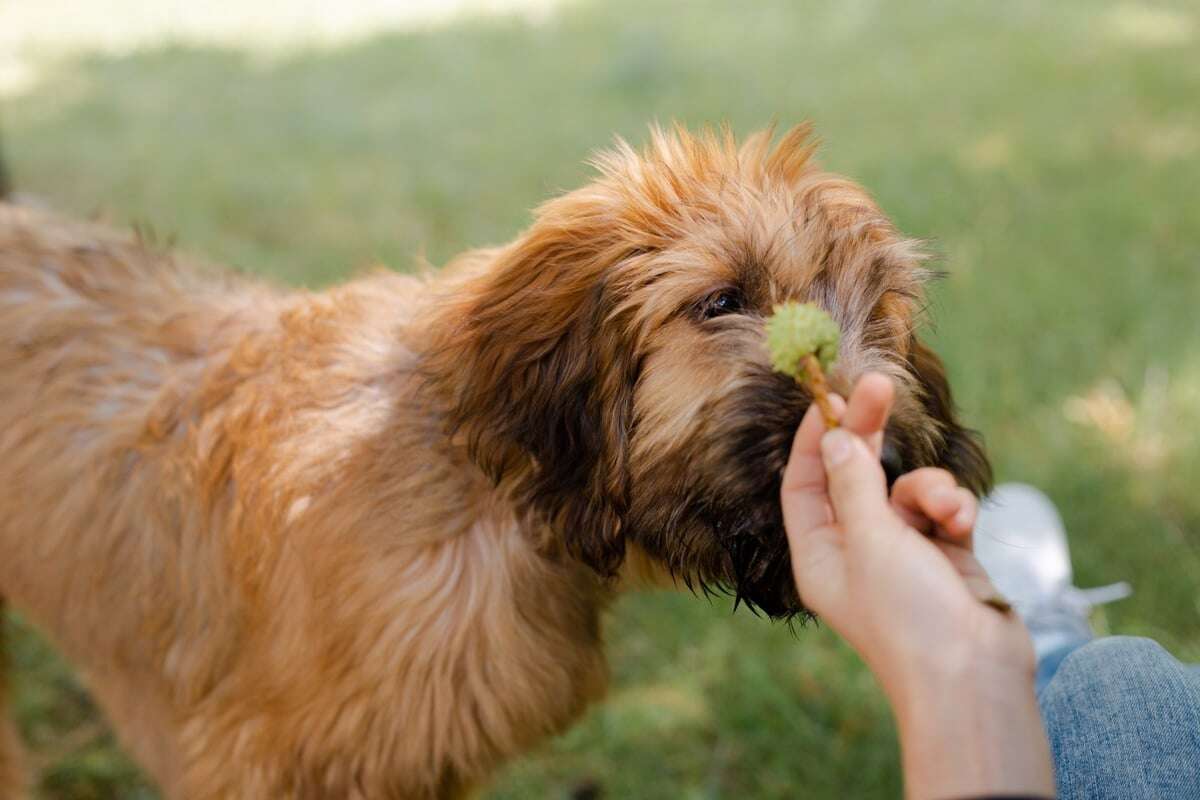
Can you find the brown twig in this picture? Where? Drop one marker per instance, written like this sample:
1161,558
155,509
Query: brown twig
820,389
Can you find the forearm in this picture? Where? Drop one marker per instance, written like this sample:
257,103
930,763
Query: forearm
970,728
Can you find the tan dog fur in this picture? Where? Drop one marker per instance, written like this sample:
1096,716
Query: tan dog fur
358,543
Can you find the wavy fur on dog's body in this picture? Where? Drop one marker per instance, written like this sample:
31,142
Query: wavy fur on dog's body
231,510
357,543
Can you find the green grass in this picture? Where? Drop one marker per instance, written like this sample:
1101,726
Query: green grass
1050,151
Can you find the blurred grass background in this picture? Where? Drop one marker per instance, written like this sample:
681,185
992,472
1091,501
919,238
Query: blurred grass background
1050,151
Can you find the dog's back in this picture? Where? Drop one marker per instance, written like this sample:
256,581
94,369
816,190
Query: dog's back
99,337
231,508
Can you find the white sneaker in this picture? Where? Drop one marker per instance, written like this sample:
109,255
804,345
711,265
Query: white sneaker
1021,543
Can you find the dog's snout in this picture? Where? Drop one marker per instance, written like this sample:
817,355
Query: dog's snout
893,463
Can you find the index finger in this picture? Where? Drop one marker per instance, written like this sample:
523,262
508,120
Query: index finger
804,493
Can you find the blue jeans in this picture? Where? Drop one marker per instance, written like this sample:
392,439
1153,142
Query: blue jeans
1123,718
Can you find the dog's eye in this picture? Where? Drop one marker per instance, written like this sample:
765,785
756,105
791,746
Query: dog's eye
723,303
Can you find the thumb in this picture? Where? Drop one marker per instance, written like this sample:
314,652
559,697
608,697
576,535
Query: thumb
857,487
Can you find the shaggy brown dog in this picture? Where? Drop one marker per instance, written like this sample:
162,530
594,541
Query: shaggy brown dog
358,543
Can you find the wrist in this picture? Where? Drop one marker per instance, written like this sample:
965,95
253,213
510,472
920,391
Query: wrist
967,659
969,726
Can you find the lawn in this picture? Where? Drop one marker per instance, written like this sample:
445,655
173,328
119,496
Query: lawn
1050,152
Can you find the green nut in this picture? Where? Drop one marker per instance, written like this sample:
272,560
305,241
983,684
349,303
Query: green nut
795,331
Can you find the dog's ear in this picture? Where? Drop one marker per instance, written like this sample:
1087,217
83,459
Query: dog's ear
961,451
542,388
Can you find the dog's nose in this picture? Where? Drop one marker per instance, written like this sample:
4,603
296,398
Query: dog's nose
893,463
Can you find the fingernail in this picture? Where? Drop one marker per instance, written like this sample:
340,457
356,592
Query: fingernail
835,447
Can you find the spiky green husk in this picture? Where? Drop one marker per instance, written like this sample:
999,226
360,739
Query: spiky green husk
796,330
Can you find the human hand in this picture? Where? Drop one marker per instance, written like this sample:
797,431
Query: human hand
896,578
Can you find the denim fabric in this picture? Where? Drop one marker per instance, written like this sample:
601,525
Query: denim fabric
1048,664
1123,718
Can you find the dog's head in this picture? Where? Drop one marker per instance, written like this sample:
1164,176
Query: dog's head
611,365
